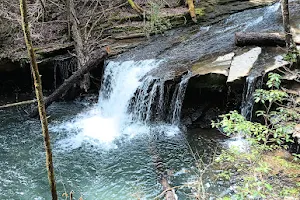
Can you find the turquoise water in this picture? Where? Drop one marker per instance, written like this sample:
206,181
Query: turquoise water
119,169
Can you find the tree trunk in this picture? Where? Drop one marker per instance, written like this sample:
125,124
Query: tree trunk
79,48
287,27
67,84
68,11
40,99
259,39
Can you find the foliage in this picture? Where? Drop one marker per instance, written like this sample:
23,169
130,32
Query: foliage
277,127
291,57
259,171
157,23
257,175
296,157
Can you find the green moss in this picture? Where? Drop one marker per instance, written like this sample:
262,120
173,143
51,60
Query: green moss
121,29
200,12
289,191
286,164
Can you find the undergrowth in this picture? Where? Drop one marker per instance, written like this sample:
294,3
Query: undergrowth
157,24
265,170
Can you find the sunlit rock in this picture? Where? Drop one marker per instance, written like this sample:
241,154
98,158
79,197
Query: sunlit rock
218,66
242,64
278,62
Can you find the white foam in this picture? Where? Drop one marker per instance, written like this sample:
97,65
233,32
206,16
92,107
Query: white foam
101,124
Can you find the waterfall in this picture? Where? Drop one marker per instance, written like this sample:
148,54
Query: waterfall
152,101
120,83
141,107
141,99
179,98
246,111
130,102
248,101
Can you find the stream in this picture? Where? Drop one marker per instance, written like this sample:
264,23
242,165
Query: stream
103,150
122,169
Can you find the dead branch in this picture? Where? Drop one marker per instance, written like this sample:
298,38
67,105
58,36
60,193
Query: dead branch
136,7
18,104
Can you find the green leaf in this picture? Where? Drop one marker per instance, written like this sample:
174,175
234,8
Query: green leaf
268,186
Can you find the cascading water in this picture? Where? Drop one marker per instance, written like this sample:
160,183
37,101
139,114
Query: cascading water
153,98
179,98
246,111
248,101
120,83
268,12
141,106
130,102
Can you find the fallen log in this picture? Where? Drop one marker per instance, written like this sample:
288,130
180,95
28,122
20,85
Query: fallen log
68,83
168,191
259,39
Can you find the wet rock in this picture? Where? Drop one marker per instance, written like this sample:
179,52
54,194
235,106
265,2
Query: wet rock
191,115
295,20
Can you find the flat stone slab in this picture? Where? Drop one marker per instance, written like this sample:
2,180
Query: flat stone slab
242,64
215,66
278,62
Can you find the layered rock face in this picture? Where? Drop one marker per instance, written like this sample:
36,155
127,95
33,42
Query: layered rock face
121,28
204,48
